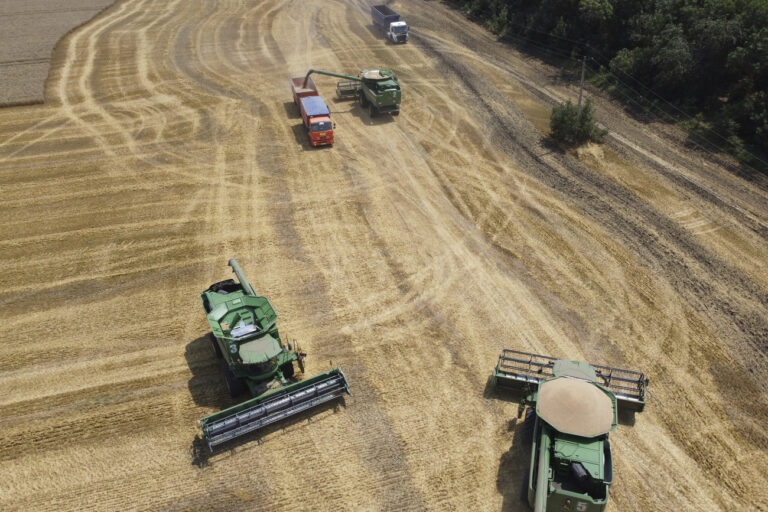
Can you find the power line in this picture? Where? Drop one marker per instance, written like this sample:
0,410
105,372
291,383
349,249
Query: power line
561,53
688,116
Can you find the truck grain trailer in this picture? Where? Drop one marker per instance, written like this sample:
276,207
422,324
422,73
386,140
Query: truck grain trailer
570,408
377,89
245,336
314,111
389,21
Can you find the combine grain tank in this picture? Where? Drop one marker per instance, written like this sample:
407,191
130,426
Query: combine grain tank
571,408
245,335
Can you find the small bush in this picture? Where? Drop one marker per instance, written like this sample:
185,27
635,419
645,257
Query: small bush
572,129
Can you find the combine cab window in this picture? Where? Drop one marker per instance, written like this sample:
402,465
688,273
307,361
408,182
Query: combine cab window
323,126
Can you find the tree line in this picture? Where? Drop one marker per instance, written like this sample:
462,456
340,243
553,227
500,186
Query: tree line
707,58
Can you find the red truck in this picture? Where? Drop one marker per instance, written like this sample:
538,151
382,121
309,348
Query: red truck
314,111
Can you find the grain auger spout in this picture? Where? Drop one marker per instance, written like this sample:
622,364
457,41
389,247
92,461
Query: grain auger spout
377,89
330,73
245,336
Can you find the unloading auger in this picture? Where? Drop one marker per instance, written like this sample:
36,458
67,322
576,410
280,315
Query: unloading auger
244,327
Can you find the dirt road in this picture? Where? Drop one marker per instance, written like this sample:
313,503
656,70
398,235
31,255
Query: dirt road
409,254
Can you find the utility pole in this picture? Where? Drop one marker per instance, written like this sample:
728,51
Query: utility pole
581,87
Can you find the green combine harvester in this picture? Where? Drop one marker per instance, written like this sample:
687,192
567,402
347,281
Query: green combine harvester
244,327
571,409
377,89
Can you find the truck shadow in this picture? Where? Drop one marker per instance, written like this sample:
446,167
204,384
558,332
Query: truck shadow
376,32
291,110
201,455
300,134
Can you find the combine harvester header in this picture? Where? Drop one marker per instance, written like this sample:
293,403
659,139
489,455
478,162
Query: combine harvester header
245,335
516,370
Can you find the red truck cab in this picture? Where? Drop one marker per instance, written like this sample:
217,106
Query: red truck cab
314,111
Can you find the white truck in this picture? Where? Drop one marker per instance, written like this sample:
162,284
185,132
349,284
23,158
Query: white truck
389,21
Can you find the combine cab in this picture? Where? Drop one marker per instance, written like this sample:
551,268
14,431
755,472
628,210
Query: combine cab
244,327
572,407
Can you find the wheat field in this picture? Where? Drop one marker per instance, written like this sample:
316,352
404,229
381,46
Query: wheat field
410,253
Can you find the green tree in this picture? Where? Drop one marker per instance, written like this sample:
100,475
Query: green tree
672,59
574,129
596,11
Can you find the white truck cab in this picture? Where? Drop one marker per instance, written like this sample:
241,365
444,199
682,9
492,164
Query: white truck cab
398,32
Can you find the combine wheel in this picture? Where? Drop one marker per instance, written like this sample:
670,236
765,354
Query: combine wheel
235,386
287,369
363,100
396,113
371,110
216,348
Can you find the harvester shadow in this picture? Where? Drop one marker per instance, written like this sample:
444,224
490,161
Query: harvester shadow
352,104
376,120
511,478
361,113
626,418
492,392
201,455
376,32
207,386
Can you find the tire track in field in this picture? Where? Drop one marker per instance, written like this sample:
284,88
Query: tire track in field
409,253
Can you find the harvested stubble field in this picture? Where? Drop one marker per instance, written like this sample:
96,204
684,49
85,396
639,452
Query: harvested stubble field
29,31
410,253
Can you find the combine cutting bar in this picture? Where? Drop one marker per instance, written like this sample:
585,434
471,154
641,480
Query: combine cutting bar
628,386
347,88
270,408
517,370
